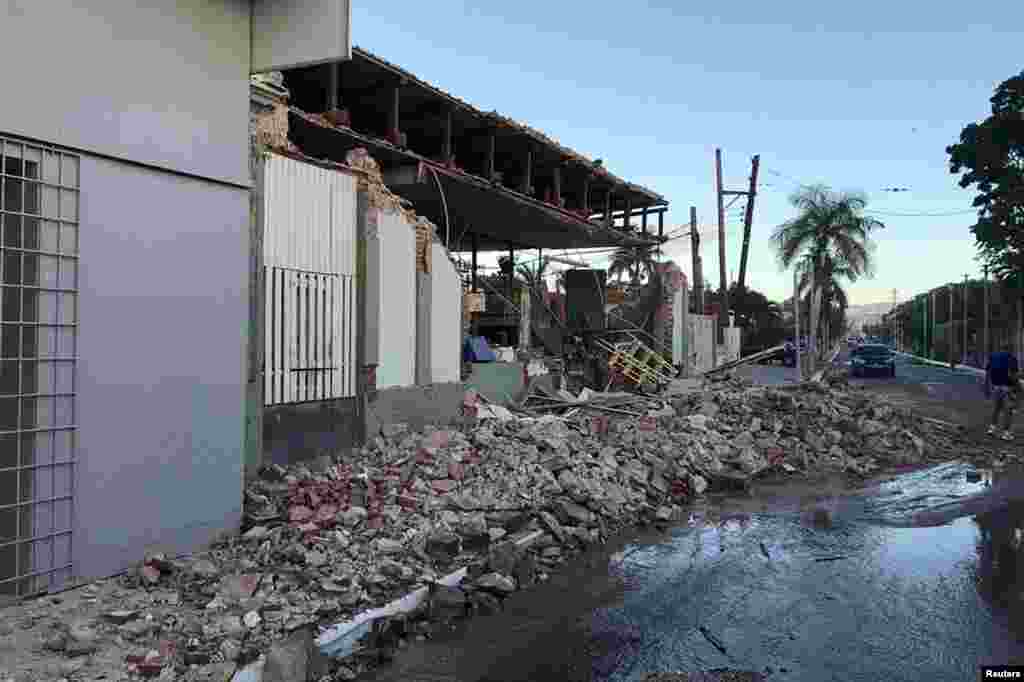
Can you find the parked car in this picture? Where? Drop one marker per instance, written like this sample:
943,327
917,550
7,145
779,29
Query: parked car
872,358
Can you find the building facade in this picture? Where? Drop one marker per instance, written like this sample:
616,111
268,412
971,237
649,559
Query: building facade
125,239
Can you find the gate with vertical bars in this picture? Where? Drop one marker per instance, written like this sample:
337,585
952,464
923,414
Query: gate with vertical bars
309,247
39,188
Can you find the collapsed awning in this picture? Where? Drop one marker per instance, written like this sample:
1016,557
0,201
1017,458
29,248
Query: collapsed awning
459,204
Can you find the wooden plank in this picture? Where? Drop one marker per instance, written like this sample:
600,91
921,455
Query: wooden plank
747,360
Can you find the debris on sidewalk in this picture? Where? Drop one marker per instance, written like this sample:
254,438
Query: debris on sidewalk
509,499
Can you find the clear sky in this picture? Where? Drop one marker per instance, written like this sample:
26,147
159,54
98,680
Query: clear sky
861,96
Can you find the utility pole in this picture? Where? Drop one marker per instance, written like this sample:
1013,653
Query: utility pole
931,328
723,298
698,288
748,221
963,351
894,319
951,336
985,349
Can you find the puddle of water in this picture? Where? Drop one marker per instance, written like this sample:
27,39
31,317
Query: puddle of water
861,600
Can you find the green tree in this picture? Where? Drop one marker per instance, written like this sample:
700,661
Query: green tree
761,318
990,157
753,309
638,263
830,243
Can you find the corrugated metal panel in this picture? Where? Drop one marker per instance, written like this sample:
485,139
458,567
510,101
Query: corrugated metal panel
310,259
446,318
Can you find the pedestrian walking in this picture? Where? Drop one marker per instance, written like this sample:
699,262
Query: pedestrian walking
1002,383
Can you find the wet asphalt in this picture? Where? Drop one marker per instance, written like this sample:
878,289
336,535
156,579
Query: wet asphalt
916,577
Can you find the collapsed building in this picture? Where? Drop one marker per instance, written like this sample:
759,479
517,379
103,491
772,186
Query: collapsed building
370,185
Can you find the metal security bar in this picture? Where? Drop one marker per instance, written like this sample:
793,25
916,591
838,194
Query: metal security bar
39,197
311,339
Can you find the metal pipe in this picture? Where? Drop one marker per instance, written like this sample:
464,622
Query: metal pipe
444,205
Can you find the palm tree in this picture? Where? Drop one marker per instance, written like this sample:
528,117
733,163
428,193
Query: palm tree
636,262
830,243
535,276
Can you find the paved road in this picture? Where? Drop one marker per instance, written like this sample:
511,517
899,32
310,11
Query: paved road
952,395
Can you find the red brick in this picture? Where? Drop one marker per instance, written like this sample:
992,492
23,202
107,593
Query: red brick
456,471
445,485
300,513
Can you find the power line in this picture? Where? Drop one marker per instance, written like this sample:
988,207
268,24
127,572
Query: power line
921,215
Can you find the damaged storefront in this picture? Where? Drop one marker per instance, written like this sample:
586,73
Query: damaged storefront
412,185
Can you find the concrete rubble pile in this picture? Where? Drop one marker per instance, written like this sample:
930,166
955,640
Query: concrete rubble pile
509,499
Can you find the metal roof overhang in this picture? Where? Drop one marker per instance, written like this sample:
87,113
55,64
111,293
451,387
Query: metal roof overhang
499,217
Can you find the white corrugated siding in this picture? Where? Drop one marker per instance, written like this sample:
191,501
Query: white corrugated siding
445,318
397,302
309,247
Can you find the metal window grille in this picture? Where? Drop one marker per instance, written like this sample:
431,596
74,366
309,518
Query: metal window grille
39,198
310,335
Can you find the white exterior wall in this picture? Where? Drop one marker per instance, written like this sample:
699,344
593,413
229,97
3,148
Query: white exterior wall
701,330
731,350
397,272
445,318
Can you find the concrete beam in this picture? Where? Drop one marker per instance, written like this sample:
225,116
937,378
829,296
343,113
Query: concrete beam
403,175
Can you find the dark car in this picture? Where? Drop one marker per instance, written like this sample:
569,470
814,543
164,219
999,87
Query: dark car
872,358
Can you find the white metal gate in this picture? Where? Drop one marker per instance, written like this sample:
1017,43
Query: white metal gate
38,331
309,247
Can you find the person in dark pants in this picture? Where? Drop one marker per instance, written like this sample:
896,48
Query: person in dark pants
1003,380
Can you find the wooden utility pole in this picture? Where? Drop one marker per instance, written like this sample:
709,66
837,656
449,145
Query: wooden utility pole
748,221
698,288
985,349
931,328
963,350
723,296
951,341
895,317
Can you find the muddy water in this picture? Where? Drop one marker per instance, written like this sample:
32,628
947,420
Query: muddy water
920,576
